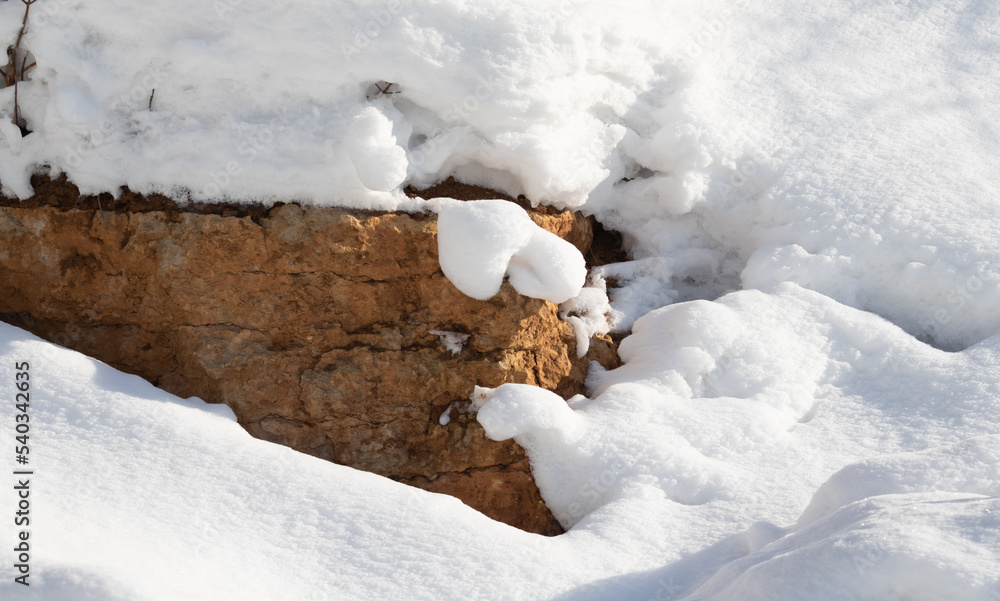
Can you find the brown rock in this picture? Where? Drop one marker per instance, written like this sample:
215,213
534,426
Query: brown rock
314,325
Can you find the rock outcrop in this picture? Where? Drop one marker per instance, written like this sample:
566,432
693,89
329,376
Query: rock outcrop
324,330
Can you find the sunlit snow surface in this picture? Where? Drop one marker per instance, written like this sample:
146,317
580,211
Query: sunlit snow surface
738,411
806,168
679,472
481,242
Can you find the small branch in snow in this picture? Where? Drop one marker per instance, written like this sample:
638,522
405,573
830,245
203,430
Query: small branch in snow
12,75
388,87
17,111
384,89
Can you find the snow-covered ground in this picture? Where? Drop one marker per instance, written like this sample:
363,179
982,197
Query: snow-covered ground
810,405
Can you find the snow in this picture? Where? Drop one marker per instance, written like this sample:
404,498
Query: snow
277,91
643,285
172,486
810,401
748,409
747,405
479,242
517,409
590,312
918,546
850,150
453,341
445,418
372,148
141,495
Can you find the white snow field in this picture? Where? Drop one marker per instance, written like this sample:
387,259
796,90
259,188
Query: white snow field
809,194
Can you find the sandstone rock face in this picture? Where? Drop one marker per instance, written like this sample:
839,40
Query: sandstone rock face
321,328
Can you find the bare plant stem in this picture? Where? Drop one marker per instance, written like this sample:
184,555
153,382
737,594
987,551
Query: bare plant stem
12,75
17,107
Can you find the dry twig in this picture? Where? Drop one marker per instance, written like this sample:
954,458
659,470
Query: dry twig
12,75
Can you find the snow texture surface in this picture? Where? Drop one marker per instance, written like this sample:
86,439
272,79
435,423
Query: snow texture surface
479,242
808,193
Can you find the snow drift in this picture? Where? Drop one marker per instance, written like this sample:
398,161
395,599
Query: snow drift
808,194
